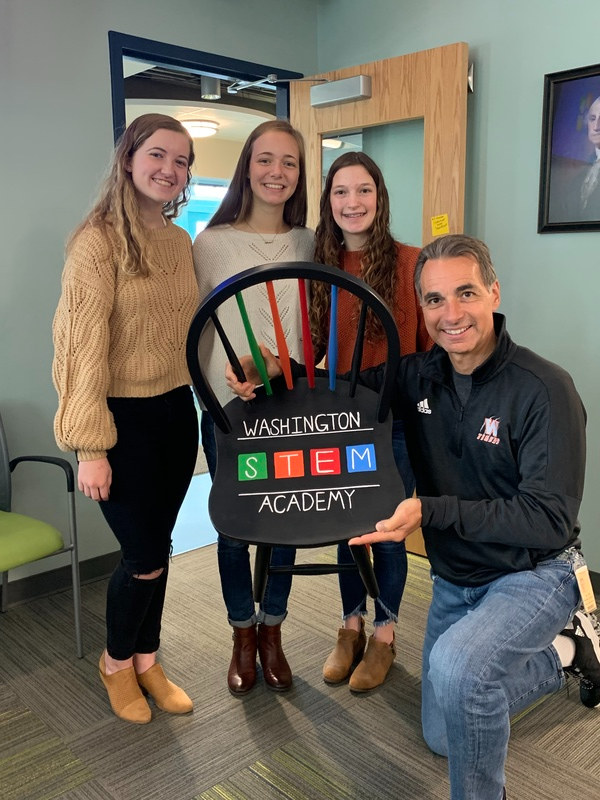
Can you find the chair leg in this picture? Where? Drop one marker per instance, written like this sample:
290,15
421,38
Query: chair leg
75,576
77,603
365,568
4,595
262,562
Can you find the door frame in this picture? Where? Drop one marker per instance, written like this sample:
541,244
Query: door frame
430,84
195,61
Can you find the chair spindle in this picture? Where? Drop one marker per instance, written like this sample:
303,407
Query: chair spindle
254,348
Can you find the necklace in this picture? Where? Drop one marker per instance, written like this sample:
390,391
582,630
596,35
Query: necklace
265,241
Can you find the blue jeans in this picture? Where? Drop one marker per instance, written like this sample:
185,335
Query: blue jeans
234,563
488,655
389,558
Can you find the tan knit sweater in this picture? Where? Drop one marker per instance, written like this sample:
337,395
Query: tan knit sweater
118,335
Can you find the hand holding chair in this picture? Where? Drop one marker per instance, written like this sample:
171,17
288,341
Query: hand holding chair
24,539
305,464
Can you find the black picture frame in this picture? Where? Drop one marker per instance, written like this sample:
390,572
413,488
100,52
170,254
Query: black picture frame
569,148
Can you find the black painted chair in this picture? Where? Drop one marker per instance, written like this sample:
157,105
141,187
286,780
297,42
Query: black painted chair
307,463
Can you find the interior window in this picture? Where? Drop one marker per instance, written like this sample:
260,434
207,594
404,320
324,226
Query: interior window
205,197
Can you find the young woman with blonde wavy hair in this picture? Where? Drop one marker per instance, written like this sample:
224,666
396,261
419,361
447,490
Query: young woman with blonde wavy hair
354,234
125,405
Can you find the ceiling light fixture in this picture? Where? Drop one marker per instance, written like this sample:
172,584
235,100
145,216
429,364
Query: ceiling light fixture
200,128
210,88
333,144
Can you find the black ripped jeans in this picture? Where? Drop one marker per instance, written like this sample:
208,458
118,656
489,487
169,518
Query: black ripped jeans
152,466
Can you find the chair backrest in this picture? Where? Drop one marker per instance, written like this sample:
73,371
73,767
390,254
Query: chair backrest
5,486
309,463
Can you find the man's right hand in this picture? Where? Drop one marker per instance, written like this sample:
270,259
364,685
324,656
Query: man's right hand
246,389
406,519
94,478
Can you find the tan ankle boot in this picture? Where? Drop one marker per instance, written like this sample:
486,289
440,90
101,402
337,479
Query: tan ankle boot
167,696
126,698
375,665
347,652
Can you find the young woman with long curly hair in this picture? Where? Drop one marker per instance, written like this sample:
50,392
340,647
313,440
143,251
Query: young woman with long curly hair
354,234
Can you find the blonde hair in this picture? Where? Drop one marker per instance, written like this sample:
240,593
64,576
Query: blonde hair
117,209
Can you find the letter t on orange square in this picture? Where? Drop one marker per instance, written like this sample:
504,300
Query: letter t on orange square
288,464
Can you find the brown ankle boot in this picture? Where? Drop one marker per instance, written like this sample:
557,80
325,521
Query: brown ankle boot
242,669
347,652
276,670
375,665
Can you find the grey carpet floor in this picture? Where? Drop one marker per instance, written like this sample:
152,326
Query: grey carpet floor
59,739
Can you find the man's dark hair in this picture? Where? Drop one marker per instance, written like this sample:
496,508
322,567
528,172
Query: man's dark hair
455,245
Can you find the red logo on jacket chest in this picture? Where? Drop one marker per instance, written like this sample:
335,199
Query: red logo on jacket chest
489,430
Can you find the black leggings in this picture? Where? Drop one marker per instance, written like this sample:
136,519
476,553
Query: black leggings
152,465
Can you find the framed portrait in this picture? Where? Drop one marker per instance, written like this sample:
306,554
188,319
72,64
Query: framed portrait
570,159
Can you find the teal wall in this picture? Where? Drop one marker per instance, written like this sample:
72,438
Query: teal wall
56,135
56,138
398,151
550,283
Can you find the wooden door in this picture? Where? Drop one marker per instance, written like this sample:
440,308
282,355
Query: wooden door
431,85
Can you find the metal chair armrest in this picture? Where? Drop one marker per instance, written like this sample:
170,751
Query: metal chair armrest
59,462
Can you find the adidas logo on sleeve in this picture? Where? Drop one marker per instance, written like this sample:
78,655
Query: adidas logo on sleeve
423,407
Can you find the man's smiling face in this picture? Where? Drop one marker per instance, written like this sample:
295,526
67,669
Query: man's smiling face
458,309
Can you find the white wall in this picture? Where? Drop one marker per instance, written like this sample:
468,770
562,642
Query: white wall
56,139
550,282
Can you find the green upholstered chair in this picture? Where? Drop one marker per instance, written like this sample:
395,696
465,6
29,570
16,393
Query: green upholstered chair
24,539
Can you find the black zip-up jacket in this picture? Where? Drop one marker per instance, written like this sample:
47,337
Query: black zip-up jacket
500,480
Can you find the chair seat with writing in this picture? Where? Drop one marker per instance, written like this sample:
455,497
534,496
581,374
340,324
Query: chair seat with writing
305,468
308,462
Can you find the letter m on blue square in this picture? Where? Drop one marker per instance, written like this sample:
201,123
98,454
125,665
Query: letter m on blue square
361,458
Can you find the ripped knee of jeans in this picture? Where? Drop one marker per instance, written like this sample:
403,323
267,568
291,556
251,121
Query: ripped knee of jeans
149,576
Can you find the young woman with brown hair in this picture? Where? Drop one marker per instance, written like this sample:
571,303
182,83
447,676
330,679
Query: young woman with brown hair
261,220
354,234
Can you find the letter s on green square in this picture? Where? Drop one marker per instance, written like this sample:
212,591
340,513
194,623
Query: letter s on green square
252,467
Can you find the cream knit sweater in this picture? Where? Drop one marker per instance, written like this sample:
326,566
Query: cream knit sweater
118,335
220,253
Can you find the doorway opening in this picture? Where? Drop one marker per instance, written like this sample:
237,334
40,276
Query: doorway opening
228,98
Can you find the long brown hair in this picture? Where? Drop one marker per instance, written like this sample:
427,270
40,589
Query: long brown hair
117,209
237,203
378,256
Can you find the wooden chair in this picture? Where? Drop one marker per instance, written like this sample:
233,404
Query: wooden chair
307,463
